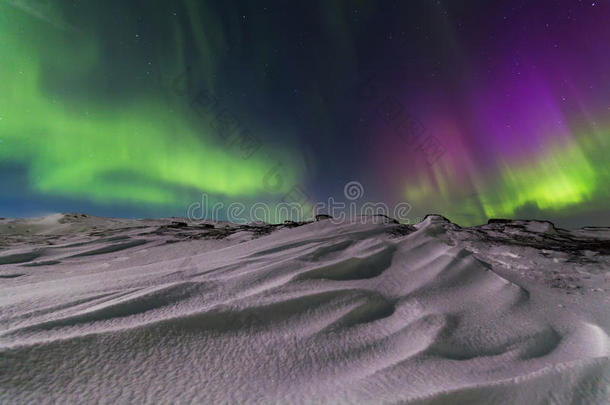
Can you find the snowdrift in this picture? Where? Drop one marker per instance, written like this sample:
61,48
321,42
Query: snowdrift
159,311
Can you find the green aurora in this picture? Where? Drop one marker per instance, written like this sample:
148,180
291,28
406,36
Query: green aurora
137,151
97,111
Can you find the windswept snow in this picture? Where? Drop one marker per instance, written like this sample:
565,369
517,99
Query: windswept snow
158,311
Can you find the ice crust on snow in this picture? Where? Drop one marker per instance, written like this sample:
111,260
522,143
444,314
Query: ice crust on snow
175,311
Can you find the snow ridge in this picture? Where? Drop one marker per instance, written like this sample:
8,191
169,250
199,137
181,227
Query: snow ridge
168,311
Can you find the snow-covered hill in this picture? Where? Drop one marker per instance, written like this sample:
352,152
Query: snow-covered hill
164,311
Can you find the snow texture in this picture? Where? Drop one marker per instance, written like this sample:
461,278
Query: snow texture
171,311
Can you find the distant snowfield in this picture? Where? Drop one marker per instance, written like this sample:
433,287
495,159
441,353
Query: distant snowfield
116,311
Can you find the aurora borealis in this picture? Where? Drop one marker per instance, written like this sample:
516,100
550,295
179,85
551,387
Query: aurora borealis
108,151
93,118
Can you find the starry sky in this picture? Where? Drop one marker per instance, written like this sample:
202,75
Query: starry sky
470,109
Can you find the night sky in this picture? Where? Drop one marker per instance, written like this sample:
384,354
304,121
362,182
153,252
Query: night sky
470,109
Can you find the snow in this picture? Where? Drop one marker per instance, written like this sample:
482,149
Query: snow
144,311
